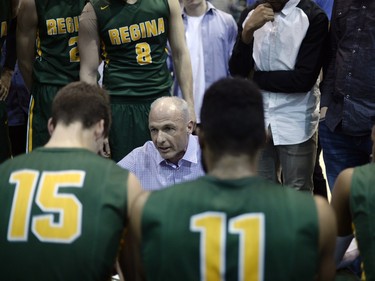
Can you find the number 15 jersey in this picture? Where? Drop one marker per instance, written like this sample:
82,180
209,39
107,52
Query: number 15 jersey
62,215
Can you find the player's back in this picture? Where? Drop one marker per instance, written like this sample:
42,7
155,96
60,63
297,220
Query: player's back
62,215
362,205
212,229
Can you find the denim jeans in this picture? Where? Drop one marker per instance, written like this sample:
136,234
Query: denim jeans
341,151
291,165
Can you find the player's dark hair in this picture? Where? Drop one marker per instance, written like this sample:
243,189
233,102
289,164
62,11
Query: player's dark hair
232,117
79,101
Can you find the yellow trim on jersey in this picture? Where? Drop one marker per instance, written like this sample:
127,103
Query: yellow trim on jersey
29,147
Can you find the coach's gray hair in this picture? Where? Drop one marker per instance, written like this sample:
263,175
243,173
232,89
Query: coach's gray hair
180,103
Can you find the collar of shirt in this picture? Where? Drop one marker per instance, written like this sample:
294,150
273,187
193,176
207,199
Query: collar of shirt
289,6
189,156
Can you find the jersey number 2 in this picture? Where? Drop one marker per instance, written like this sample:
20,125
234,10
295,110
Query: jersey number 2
213,234
45,227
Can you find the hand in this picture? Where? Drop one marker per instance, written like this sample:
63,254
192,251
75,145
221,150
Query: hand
261,14
323,112
6,78
105,151
193,117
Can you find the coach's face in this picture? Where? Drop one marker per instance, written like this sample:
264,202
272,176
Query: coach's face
169,133
277,5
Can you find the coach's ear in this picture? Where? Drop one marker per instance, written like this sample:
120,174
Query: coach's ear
51,128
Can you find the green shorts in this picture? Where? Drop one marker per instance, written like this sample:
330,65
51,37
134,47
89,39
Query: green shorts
5,151
39,113
129,124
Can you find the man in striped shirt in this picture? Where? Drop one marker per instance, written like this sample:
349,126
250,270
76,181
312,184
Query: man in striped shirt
174,154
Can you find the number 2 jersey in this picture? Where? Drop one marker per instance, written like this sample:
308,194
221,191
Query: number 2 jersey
246,229
134,40
62,215
57,58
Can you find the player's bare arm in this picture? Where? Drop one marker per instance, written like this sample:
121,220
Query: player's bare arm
130,258
88,45
27,22
327,238
341,206
340,202
180,55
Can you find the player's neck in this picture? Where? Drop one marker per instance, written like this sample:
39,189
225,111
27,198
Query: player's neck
131,2
232,167
70,136
196,11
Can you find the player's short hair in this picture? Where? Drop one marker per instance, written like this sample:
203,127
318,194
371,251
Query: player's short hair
232,117
82,102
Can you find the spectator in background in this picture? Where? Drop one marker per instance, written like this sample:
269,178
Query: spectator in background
174,154
285,59
348,87
210,35
326,5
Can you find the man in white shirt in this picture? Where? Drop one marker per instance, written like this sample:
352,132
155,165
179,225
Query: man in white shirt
280,43
174,154
210,36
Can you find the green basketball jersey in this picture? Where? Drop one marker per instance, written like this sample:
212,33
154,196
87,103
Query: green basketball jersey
5,17
57,58
62,215
134,39
211,229
362,205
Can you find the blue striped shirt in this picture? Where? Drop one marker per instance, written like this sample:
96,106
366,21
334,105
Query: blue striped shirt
155,173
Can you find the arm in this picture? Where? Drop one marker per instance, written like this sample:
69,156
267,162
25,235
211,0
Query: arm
88,45
241,61
129,257
308,63
180,55
341,205
27,24
327,236
328,84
